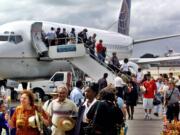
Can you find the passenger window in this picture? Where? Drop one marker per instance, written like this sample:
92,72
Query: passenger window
58,77
15,39
3,38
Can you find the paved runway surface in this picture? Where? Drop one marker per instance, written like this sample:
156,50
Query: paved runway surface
139,126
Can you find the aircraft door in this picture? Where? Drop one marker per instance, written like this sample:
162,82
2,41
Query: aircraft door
36,38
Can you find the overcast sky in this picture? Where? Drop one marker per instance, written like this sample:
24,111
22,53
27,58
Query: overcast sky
149,18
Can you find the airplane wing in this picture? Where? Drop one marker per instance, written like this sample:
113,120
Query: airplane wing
154,39
154,60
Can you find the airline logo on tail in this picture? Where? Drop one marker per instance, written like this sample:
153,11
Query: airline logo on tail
124,17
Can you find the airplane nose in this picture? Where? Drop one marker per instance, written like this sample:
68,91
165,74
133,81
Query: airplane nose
6,50
3,45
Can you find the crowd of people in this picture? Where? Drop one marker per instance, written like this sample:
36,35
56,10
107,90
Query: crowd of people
67,114
100,108
164,94
160,96
62,37
56,37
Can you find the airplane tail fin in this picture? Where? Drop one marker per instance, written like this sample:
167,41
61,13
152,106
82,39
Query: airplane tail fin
124,17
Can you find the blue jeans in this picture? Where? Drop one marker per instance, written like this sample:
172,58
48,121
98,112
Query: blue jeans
100,57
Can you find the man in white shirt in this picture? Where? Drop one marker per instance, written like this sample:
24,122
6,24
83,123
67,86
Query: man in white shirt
119,84
51,36
59,108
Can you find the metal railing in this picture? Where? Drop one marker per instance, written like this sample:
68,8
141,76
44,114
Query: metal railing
106,65
63,41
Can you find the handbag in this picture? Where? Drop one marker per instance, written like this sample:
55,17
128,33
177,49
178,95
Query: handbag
46,130
156,100
123,130
90,128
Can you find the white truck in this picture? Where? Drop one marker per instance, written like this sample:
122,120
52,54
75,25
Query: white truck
44,87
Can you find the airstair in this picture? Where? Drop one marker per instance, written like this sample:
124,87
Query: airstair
77,55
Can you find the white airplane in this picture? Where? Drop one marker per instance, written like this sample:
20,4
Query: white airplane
21,45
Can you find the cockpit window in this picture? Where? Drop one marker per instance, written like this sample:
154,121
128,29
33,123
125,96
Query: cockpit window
19,39
4,38
11,38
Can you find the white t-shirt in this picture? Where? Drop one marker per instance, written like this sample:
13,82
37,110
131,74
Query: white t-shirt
139,77
125,67
165,88
178,82
64,109
119,82
87,108
51,35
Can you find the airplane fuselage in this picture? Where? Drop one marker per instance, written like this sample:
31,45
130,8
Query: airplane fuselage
20,60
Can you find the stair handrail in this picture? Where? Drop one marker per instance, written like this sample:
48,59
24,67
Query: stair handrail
99,61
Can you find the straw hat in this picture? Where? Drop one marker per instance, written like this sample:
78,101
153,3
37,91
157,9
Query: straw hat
34,121
66,124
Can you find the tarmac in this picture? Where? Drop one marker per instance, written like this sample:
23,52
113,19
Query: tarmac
139,126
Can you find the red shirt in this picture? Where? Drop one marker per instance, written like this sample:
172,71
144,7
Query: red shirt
151,88
99,48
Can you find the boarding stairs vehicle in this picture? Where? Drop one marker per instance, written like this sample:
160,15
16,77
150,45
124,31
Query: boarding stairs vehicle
75,53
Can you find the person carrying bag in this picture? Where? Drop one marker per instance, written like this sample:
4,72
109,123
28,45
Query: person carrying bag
108,114
168,98
90,129
172,102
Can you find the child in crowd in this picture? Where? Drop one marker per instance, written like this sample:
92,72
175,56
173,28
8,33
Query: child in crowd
3,122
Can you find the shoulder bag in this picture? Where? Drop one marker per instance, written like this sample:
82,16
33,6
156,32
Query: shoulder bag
168,98
90,129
